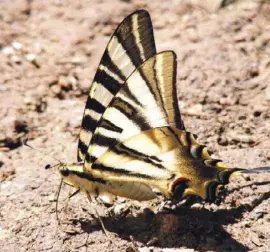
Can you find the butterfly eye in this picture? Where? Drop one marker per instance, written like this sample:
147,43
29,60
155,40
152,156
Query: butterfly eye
179,187
65,171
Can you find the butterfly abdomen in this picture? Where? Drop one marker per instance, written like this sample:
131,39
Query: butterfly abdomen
132,190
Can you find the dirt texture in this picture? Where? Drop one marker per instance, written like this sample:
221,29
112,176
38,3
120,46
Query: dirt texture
49,53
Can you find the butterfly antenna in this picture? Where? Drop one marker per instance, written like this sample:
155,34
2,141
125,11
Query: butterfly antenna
25,142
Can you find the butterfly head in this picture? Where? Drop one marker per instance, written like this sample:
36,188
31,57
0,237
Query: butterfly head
66,171
71,174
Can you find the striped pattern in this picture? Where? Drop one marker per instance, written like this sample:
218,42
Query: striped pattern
131,44
141,137
147,100
142,158
161,157
132,136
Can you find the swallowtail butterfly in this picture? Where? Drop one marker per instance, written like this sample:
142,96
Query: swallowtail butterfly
132,137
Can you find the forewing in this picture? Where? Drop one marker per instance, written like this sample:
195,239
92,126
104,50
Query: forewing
147,100
131,44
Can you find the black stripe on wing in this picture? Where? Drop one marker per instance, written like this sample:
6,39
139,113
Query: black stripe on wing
106,124
107,81
101,167
177,115
107,61
88,123
135,36
131,113
122,149
95,105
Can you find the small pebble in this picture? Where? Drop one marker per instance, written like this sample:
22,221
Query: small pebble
8,50
144,249
76,61
51,198
106,199
56,89
16,45
154,240
31,57
195,109
197,206
119,209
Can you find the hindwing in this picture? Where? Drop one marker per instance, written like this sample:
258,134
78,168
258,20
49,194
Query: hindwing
164,158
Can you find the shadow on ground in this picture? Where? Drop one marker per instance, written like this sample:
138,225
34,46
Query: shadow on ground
199,229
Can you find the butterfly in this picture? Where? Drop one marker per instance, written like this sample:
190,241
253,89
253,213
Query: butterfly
132,138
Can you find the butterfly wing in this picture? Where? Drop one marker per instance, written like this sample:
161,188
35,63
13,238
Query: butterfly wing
147,100
131,44
165,158
141,138
149,157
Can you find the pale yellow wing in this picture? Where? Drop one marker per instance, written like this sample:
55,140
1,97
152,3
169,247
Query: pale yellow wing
141,138
131,44
147,100
165,158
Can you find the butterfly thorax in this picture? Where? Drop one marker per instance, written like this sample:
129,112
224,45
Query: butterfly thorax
74,175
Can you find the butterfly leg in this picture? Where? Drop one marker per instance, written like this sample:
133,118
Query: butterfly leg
74,193
57,199
70,195
100,220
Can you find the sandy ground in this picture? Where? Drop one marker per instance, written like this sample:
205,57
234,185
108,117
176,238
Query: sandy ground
49,54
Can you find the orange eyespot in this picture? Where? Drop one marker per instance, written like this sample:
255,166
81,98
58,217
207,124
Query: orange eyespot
65,171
